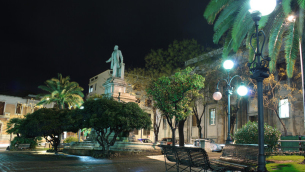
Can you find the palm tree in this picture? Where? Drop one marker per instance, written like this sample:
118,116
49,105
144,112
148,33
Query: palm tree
62,91
234,22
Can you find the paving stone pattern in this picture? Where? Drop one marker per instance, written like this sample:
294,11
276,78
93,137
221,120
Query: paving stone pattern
32,161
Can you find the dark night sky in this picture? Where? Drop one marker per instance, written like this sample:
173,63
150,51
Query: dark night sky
39,39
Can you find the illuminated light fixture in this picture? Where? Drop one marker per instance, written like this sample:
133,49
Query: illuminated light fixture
265,7
242,90
291,18
217,95
228,64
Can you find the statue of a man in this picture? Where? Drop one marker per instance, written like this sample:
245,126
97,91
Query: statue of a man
115,61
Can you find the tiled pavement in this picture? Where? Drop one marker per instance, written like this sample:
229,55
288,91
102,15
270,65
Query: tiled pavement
41,161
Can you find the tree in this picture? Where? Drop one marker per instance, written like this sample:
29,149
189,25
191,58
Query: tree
161,63
48,123
272,95
62,92
167,62
157,122
235,23
109,118
170,95
13,126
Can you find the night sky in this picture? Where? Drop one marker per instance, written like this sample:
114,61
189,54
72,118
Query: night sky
39,39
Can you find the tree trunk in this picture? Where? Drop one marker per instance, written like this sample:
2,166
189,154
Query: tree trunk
106,152
156,137
199,131
181,134
285,130
55,144
173,136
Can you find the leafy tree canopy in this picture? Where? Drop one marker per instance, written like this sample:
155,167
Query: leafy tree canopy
48,123
170,93
108,116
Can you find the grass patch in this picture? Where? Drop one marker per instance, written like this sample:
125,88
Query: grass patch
285,163
286,158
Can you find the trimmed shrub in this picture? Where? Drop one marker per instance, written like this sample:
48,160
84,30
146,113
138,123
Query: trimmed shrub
22,140
71,139
248,134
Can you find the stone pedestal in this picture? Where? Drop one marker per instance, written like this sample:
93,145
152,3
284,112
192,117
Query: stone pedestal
116,87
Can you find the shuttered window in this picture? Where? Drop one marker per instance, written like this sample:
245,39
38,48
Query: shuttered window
2,104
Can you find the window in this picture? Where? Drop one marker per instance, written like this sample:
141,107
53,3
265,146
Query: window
284,108
2,104
95,86
164,123
212,116
194,121
90,88
18,108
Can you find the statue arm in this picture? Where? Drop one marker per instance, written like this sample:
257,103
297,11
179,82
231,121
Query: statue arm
121,56
109,60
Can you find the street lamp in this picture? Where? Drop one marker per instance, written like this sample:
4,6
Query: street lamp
259,69
242,90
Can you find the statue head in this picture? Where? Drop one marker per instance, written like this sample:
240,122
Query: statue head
116,47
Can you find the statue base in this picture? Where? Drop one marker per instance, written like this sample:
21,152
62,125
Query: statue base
116,87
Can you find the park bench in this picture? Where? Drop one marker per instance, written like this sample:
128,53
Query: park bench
186,158
23,146
241,157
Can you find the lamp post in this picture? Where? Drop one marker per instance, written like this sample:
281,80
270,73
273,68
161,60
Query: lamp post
242,90
259,69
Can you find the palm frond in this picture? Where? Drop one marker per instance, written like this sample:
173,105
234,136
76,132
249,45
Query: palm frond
291,48
301,21
225,26
240,36
263,21
275,39
251,51
301,4
240,28
213,8
276,48
227,12
227,46
286,4
290,67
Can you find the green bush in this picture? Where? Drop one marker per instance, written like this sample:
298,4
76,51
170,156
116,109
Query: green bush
22,140
248,134
71,139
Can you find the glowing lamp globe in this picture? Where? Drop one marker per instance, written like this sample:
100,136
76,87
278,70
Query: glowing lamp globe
217,95
265,7
228,64
242,90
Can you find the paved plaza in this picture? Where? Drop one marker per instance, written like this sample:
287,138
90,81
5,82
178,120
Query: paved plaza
42,161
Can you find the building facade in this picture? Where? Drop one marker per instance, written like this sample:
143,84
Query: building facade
15,107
